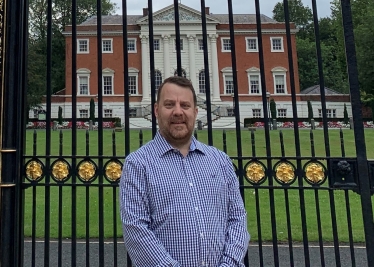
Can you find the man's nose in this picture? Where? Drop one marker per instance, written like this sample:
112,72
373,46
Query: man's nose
178,109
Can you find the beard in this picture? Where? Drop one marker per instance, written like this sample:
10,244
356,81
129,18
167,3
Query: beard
176,130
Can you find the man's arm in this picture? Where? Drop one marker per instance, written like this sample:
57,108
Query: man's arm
237,236
144,248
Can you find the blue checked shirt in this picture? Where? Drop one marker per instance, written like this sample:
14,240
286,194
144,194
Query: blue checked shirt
182,211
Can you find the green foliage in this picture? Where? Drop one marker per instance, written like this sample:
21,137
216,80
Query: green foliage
299,14
37,56
273,109
334,75
60,115
310,111
92,110
345,119
117,122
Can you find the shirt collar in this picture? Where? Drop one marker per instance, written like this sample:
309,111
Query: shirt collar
163,146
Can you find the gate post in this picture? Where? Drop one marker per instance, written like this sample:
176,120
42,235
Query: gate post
362,162
13,33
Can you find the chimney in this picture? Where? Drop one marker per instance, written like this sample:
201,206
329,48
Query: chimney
207,11
145,11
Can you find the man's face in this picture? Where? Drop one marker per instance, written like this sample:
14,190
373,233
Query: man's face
176,113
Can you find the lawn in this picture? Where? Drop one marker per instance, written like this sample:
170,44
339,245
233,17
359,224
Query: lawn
60,199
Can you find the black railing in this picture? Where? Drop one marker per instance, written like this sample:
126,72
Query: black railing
59,189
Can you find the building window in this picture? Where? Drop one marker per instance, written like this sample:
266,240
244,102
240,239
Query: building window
175,44
226,45
254,83
156,45
200,45
133,85
158,79
251,44
108,85
202,82
107,46
330,113
83,46
282,113
83,85
83,113
184,74
108,113
131,45
280,84
256,113
229,84
276,44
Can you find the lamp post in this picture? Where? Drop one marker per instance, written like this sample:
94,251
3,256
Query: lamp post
268,102
233,104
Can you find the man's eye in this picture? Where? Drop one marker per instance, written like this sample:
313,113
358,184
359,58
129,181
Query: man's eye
168,105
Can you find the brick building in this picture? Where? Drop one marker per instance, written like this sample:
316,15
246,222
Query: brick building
219,53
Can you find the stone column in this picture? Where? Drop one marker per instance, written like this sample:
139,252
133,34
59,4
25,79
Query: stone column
215,70
145,69
166,39
191,56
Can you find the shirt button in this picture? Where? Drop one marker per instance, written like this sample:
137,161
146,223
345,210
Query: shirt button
202,234
191,184
196,208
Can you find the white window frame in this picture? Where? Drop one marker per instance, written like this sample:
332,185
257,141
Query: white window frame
281,113
160,82
134,72
272,44
252,72
108,111
247,49
223,39
227,72
134,40
198,45
201,74
330,113
80,113
132,75
83,73
111,45
182,44
257,115
159,44
281,72
110,75
78,46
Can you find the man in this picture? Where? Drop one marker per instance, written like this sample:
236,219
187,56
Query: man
179,198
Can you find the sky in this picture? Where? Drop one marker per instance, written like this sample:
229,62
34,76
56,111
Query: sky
135,7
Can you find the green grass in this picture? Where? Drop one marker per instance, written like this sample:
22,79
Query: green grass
111,214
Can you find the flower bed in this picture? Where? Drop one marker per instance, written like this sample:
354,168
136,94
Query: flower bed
330,124
68,125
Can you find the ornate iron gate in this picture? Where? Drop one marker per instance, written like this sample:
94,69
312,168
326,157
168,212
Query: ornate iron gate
59,188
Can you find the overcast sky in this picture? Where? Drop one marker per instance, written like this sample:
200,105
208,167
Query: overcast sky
135,7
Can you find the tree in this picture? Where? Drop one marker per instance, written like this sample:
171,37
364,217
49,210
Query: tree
92,110
37,57
310,111
273,109
60,115
334,75
345,113
299,14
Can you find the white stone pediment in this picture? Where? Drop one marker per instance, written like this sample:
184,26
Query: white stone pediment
186,14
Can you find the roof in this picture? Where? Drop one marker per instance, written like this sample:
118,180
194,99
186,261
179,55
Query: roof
316,90
112,20
195,15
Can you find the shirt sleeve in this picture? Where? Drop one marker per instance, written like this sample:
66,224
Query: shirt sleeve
237,236
144,248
